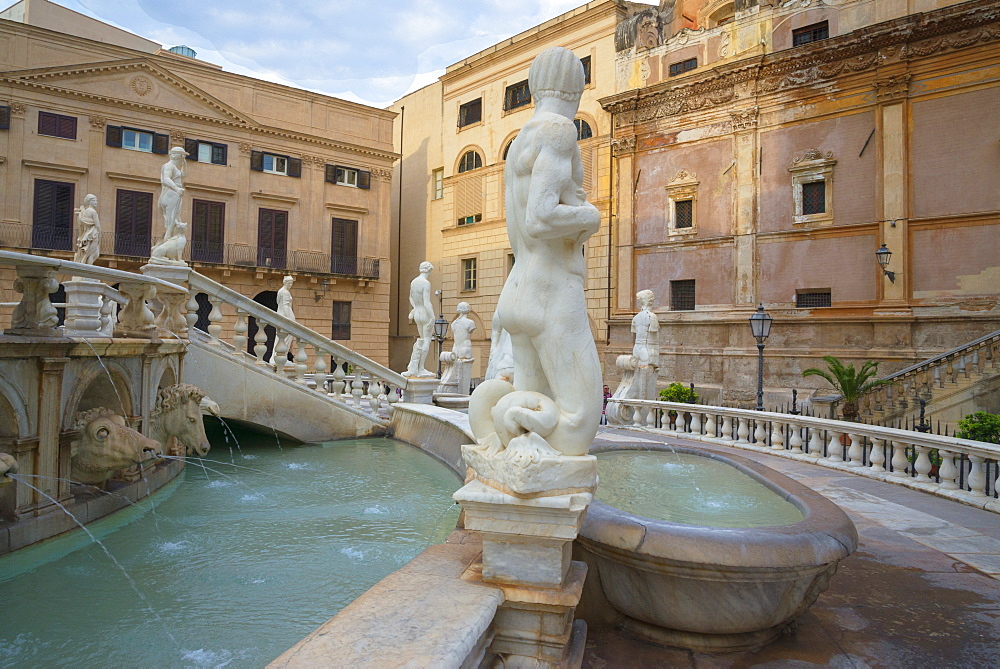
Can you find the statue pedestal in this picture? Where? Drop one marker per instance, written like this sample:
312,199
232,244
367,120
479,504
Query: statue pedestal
170,307
84,299
420,389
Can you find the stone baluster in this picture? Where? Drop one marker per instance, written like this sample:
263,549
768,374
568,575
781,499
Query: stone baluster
937,377
679,423
638,416
727,429
215,322
977,367
816,443
260,342
923,464
948,472
777,436
742,431
192,310
301,361
794,438
374,395
34,315
899,462
319,370
710,425
876,456
760,434
136,318
240,333
696,423
107,308
949,370
357,387
172,317
834,449
977,475
963,367
856,451
391,396
337,387
651,417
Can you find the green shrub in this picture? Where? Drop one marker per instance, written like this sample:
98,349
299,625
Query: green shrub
980,426
678,392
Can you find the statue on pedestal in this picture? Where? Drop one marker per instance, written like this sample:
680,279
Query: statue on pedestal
639,370
421,313
171,250
457,374
285,309
88,244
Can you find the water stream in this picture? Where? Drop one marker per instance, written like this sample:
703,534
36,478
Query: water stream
237,570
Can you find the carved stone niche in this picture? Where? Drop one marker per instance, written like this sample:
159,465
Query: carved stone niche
812,187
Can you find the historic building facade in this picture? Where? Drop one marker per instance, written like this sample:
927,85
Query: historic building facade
453,136
764,151
279,180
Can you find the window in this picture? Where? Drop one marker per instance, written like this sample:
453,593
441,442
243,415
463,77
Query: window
812,298
341,320
470,161
348,176
344,247
682,295
208,230
583,130
136,140
812,186
133,223
683,213
683,66
813,33
438,183
4,117
274,163
272,238
506,149
814,197
52,219
467,220
682,204
471,112
516,95
56,125
206,152
586,70
510,263
469,274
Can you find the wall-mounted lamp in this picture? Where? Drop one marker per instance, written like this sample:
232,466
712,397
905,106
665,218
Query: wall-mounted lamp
883,255
318,294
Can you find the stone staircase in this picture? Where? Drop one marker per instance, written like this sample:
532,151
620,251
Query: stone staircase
953,384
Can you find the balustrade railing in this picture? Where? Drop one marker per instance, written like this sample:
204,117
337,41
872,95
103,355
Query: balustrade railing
961,469
349,377
91,303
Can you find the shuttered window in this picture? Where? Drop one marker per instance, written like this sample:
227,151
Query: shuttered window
52,219
471,112
517,95
273,163
133,223
341,321
272,238
208,233
56,125
348,176
344,247
213,153
469,198
4,117
585,61
136,140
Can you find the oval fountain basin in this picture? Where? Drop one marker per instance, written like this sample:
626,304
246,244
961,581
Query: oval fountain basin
694,577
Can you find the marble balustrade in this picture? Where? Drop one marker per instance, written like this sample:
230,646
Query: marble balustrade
967,471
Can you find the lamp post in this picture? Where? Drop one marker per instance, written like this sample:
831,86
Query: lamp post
882,255
760,326
440,327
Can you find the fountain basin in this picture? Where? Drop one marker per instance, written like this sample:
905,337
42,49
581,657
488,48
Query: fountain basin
713,589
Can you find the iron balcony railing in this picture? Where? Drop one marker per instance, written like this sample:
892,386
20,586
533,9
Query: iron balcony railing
26,236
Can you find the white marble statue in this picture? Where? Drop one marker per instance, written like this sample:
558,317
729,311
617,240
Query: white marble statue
501,360
639,370
457,374
554,405
88,244
646,327
170,251
172,181
421,313
285,309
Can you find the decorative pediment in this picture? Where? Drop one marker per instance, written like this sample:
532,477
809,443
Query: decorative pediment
136,82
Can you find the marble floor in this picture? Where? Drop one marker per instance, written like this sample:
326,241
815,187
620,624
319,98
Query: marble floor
922,590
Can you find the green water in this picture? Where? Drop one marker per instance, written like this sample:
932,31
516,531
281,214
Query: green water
690,490
233,570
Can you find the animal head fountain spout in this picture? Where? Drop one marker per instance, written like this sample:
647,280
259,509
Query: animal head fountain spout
8,465
106,445
178,413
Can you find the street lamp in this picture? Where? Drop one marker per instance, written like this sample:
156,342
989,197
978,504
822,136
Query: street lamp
440,327
760,326
882,255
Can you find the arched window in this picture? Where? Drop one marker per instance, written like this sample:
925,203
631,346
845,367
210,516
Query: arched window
583,130
470,161
507,148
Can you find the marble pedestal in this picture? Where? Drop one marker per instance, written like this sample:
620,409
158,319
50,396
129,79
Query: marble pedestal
84,299
420,389
170,307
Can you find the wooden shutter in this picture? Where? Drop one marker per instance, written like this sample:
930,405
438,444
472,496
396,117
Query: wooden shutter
133,223
344,247
587,156
207,237
257,161
113,135
219,154
272,238
469,196
52,221
330,174
341,320
161,143
67,127
4,118
294,167
48,124
191,146
364,179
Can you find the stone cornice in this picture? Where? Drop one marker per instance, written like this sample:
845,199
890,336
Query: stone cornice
915,36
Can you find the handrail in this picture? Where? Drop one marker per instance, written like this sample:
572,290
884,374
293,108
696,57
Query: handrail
929,362
967,470
201,283
106,274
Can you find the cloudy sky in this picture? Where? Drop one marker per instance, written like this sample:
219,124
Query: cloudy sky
369,51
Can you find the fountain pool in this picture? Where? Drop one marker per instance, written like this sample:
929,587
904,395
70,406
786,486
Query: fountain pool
233,567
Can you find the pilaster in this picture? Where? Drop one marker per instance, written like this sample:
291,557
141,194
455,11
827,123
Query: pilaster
623,237
893,112
745,178
49,423
15,152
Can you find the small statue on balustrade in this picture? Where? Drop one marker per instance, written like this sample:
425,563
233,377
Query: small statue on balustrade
88,244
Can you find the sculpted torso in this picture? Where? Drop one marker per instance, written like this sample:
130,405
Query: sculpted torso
462,328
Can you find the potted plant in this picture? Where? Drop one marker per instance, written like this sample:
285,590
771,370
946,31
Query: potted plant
677,392
852,384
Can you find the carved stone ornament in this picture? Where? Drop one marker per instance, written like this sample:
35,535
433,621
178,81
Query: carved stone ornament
623,145
893,88
141,85
98,122
811,155
17,108
745,119
176,137
245,148
382,174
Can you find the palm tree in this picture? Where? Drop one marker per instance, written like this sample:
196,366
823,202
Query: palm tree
850,383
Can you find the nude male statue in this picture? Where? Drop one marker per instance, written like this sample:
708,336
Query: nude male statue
556,398
421,313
